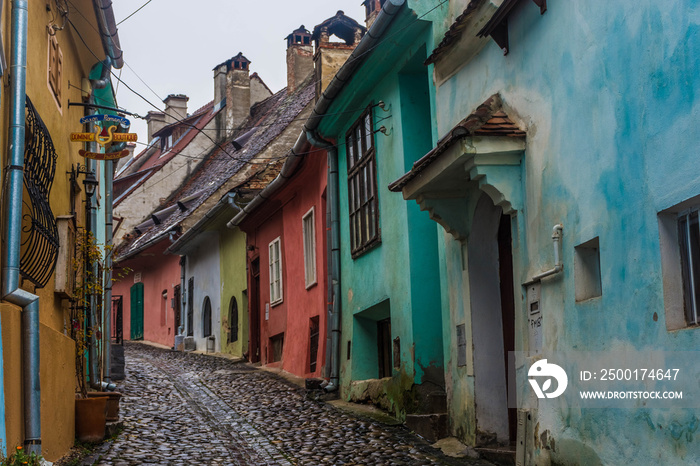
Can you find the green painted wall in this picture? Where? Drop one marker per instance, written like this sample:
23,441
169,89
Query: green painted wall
233,285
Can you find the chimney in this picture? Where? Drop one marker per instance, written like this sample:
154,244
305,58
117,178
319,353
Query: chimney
300,58
155,121
175,108
372,8
331,55
232,92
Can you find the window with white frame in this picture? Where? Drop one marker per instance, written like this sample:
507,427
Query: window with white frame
679,235
309,232
689,239
275,257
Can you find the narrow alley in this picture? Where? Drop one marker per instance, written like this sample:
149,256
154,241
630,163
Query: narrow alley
185,408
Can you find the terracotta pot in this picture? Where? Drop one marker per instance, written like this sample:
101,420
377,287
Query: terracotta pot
112,403
90,418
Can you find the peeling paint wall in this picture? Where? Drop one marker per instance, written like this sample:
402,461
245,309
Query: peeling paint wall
611,140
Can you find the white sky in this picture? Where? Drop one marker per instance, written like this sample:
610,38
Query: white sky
173,45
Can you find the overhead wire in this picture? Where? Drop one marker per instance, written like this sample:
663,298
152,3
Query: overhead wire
137,10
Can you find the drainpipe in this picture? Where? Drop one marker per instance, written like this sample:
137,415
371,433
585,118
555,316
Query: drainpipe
91,222
11,291
558,264
107,305
334,259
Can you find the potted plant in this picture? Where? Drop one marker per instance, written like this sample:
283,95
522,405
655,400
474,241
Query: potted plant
90,411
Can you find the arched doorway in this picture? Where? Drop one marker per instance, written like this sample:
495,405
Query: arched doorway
206,317
493,319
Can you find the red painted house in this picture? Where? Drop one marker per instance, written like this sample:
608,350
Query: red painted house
286,240
149,294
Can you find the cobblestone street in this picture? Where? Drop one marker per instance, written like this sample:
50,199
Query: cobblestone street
181,408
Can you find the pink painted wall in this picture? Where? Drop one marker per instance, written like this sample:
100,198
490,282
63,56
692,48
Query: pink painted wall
282,216
159,273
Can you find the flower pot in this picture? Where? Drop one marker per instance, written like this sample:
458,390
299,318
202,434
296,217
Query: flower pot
90,418
112,403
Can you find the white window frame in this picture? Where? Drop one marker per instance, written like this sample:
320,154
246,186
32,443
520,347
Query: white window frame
310,277
274,250
671,265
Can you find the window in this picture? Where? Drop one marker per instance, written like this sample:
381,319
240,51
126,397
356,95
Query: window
275,272
689,239
308,222
55,68
362,190
679,239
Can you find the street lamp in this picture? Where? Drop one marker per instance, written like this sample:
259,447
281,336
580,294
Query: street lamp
90,183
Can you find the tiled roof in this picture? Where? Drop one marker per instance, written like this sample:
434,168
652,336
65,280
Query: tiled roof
487,120
154,159
268,120
454,32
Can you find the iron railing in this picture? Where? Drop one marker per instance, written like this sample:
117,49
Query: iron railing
39,231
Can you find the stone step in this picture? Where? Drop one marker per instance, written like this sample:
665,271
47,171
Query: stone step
431,427
503,455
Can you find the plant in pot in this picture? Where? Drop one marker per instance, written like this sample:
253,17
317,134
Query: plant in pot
90,411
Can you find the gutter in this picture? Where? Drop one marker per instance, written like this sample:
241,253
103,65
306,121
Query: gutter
309,135
228,200
11,291
108,31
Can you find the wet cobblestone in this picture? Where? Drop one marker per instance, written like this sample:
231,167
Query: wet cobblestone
183,409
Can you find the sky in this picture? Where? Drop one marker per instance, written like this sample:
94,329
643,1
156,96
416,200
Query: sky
172,46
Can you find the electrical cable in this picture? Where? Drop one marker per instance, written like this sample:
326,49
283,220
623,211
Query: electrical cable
137,10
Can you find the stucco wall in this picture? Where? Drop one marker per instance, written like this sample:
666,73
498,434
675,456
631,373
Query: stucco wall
233,285
203,264
282,217
610,134
162,273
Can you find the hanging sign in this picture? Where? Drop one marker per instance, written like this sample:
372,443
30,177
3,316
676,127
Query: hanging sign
104,136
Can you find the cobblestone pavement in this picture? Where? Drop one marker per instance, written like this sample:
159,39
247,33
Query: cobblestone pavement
184,409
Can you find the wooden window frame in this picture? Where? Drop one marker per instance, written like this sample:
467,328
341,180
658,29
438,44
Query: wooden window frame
55,69
363,202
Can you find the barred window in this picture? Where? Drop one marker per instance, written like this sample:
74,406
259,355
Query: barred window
362,187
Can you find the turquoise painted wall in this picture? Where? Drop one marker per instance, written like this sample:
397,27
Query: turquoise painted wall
607,92
398,278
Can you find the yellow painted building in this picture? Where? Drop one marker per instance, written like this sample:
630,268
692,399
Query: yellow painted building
63,44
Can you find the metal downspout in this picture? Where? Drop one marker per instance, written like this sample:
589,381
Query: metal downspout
11,291
107,305
334,258
183,299
91,221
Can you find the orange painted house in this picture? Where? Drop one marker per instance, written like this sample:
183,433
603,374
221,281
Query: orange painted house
287,283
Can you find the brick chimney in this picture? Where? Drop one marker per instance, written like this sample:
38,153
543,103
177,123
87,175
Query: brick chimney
155,121
331,55
300,58
175,108
232,92
372,8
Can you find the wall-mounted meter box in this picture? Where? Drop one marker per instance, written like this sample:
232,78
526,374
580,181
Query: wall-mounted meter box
534,317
